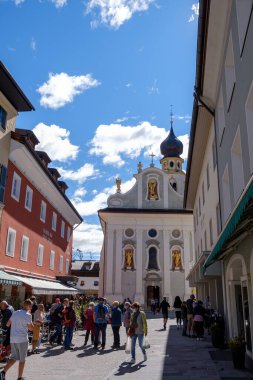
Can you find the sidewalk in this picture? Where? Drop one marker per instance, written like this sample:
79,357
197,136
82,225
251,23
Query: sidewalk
171,356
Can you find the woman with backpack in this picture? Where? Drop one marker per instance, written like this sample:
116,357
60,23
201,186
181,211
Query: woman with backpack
89,324
137,330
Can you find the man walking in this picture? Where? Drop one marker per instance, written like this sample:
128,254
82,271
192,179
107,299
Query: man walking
20,322
190,305
101,312
6,311
164,306
56,313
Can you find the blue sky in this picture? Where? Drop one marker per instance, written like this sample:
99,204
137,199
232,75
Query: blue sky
101,75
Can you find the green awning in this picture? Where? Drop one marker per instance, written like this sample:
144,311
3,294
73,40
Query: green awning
231,226
8,279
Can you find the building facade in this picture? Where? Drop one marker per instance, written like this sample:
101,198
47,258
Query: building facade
87,274
148,235
225,88
37,220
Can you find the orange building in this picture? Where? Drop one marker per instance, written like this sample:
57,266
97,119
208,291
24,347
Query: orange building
37,222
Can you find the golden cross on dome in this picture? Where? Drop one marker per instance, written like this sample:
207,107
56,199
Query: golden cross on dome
152,155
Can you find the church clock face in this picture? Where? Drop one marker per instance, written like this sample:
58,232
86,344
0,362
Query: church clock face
176,233
129,232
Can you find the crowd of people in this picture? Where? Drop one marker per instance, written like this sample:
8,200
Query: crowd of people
62,317
191,315
97,315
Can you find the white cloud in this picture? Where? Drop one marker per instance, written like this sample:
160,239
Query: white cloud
185,118
80,175
115,12
88,238
154,88
59,3
114,141
129,85
195,10
33,44
81,192
61,89
88,208
17,2
54,140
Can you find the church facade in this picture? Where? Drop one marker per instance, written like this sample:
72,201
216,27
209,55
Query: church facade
148,236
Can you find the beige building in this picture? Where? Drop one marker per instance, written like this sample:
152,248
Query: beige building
224,91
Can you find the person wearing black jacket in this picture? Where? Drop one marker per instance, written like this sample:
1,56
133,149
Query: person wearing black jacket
164,306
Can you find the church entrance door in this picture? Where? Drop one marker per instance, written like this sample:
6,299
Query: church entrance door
153,292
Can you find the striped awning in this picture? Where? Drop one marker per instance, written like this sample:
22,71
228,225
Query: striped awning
231,226
8,279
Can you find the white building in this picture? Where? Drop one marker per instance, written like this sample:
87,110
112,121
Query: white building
148,236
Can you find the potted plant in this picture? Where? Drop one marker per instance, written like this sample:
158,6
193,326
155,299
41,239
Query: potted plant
217,335
237,346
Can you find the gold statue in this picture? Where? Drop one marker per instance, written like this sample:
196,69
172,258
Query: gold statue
129,258
152,189
118,184
176,259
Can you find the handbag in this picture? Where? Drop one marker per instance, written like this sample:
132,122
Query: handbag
146,343
128,345
131,331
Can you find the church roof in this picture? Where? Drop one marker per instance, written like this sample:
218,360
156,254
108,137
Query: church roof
171,146
145,211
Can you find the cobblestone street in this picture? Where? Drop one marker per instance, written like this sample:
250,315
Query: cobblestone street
170,356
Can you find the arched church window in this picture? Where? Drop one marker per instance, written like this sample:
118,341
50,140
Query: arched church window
152,189
171,164
178,165
152,259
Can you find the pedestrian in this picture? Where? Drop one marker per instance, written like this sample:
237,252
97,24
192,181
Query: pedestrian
69,323
190,305
20,322
127,316
34,305
164,306
152,303
38,320
177,306
89,324
56,320
116,322
6,312
198,320
184,318
137,330
101,317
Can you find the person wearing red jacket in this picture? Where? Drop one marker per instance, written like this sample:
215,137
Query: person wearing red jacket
89,324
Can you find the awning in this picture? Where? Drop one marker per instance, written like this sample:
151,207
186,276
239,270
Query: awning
46,287
8,279
231,226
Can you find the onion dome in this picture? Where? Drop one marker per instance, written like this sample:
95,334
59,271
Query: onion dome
171,146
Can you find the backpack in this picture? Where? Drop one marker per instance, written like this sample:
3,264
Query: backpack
101,313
